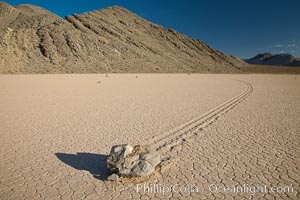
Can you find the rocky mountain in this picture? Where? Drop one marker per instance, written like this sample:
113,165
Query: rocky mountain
274,59
34,40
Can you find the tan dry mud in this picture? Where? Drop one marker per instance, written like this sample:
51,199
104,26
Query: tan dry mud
227,130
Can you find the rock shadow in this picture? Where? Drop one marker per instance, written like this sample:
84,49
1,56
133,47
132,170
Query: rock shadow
93,163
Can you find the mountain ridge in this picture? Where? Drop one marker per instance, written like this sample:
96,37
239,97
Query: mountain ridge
274,59
113,39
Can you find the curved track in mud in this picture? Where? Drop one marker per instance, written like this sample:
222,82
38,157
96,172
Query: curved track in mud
168,140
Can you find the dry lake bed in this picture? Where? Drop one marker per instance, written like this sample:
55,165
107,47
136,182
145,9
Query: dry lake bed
228,136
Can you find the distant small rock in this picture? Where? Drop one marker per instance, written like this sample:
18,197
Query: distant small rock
9,30
113,177
128,161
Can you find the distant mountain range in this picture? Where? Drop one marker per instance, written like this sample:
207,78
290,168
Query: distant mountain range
274,59
34,40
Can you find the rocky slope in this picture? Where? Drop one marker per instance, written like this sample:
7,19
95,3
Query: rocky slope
34,40
274,59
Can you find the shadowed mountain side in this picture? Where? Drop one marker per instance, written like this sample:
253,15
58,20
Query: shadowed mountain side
274,59
93,163
34,40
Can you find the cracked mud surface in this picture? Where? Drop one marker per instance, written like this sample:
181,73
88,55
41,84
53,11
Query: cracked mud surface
227,130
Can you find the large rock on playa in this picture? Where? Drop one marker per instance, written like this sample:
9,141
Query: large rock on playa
128,161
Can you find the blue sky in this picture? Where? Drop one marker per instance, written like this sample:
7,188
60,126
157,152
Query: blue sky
237,27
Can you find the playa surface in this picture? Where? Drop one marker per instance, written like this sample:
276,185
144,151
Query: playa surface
220,132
